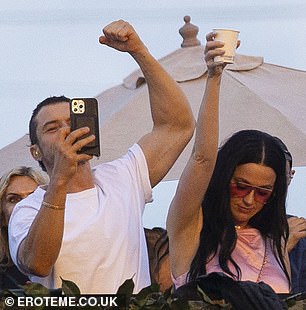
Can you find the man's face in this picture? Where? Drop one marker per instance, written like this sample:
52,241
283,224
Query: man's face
289,172
51,119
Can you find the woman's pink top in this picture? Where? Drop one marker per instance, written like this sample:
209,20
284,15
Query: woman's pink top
249,255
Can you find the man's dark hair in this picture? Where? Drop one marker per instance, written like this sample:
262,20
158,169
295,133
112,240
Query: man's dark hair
33,121
284,148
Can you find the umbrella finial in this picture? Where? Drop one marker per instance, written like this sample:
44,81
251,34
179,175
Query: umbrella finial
189,33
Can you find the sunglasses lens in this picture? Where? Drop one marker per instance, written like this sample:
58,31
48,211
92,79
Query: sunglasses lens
262,195
240,190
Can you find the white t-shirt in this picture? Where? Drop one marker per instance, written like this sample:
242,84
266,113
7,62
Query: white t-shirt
104,242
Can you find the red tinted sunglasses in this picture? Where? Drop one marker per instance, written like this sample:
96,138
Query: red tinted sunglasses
240,190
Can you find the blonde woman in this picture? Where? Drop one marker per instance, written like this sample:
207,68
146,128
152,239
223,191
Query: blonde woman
15,185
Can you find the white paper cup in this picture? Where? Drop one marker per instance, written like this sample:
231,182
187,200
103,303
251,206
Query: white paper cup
229,38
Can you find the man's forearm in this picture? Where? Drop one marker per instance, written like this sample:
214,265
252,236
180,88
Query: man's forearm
39,250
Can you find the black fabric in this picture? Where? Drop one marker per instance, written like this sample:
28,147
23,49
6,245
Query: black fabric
11,278
242,295
297,258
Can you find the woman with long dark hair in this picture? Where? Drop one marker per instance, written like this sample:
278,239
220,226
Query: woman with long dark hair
230,217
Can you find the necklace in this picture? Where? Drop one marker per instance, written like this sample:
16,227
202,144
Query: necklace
263,262
241,227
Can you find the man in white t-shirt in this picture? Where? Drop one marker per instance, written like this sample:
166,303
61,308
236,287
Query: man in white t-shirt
86,226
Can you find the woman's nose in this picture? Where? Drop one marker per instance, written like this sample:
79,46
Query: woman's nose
250,197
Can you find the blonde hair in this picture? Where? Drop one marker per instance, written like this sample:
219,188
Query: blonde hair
40,178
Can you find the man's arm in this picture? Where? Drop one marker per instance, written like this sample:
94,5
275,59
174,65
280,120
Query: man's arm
297,231
172,117
38,252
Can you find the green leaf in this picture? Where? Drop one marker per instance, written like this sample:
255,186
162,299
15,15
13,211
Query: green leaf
70,288
35,289
126,288
12,292
143,294
177,304
125,292
168,293
197,305
206,299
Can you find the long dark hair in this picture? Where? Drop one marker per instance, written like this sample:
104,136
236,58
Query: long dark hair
246,146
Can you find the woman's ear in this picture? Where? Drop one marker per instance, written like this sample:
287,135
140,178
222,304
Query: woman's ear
35,152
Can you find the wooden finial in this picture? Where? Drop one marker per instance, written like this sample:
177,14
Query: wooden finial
189,33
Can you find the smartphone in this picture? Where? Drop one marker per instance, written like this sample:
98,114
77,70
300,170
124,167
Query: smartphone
84,113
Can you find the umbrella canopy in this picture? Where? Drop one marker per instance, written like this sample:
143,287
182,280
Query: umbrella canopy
254,95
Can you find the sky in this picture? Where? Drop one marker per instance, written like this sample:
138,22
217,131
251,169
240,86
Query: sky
51,47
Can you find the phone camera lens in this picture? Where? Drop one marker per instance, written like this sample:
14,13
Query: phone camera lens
75,110
81,106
